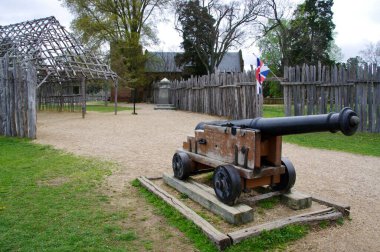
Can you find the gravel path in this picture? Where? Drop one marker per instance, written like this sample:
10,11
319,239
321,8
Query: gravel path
143,144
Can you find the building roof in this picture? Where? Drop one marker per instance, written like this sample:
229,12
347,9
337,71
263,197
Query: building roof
164,62
231,62
57,54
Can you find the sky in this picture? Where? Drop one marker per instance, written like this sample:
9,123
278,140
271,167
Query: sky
357,23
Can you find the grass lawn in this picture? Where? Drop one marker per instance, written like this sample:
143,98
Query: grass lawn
94,106
360,143
50,200
103,108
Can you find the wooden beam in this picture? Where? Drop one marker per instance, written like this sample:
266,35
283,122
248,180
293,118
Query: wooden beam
205,196
254,199
83,96
116,87
325,214
245,173
220,239
344,209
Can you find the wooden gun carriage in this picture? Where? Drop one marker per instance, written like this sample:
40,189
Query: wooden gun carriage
245,154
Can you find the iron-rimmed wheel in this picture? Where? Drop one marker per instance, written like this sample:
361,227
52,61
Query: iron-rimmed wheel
227,184
181,165
288,178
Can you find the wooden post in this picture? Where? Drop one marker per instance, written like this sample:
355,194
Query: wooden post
31,81
83,97
116,87
2,96
106,94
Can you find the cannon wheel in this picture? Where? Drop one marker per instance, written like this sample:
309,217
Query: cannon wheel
181,165
288,178
227,184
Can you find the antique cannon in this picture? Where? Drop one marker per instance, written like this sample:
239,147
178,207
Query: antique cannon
245,154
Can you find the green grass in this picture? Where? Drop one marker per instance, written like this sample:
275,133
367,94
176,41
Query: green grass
271,240
103,108
269,203
91,106
360,143
273,111
50,201
177,220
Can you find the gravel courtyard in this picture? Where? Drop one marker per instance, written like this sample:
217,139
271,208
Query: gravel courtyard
143,144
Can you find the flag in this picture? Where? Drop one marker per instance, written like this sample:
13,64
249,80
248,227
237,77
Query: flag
261,73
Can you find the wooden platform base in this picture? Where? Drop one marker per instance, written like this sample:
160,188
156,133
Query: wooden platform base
222,241
205,196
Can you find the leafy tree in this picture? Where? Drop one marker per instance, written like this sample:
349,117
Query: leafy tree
335,53
124,24
371,53
355,62
273,48
312,32
274,37
197,28
210,28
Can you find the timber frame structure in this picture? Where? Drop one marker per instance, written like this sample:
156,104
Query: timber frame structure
58,56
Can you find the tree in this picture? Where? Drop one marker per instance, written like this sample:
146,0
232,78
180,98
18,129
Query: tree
124,24
197,28
335,53
355,62
312,32
210,28
274,47
371,53
274,38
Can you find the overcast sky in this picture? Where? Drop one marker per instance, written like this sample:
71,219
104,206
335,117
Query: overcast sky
357,23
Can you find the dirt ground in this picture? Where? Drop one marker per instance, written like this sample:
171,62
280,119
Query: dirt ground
143,144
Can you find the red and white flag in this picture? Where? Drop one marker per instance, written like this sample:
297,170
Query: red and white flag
262,71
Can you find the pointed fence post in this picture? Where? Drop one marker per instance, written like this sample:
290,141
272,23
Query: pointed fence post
83,97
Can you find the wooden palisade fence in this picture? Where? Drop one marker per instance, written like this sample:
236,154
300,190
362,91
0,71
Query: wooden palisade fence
321,89
18,83
224,94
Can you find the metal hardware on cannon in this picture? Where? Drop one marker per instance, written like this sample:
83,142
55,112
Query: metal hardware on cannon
245,154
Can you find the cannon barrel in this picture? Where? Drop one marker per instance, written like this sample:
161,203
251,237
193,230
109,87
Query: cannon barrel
345,121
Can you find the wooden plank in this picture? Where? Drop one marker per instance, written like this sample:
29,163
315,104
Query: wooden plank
244,173
321,215
236,215
364,108
344,209
31,106
254,199
220,239
2,97
83,86
377,107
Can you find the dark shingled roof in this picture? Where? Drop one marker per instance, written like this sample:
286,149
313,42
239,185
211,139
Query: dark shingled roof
164,62
159,62
230,62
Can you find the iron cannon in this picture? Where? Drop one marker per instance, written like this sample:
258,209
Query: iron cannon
245,154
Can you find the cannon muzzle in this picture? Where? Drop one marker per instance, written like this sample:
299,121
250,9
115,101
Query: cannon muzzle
345,121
